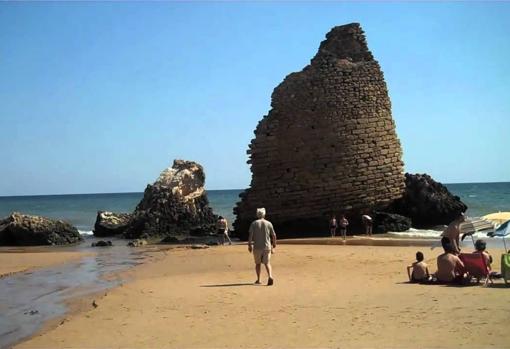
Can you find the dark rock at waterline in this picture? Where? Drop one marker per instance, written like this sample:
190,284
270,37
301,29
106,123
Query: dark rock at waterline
207,240
137,243
110,223
176,204
102,243
385,222
427,202
26,230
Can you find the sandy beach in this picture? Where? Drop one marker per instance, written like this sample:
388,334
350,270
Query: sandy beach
15,262
324,296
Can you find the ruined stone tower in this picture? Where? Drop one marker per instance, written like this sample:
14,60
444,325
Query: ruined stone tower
328,145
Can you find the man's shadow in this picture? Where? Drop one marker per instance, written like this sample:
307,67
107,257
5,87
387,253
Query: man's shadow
231,285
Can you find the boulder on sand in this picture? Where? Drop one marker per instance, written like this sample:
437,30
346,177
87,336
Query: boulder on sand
176,204
26,230
385,222
102,243
110,223
428,203
137,243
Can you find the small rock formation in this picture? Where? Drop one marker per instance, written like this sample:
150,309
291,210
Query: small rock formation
102,243
176,204
328,144
137,243
110,223
190,240
26,230
198,247
390,222
427,202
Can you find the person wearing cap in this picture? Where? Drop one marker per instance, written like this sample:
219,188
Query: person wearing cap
263,237
452,232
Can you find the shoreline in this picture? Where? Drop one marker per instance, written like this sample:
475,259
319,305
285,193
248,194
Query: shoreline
202,273
41,297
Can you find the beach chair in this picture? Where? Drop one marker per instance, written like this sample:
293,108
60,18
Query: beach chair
476,266
505,267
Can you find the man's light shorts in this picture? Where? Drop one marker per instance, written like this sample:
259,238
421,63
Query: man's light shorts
262,256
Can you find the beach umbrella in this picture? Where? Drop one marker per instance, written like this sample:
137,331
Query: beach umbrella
497,217
471,226
502,231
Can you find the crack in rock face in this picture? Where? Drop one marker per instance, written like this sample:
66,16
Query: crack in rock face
328,145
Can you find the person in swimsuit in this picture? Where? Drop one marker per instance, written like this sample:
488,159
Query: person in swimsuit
367,222
332,226
343,226
418,271
222,231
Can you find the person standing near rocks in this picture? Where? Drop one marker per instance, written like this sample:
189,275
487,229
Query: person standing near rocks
367,222
332,226
343,226
262,234
452,232
222,231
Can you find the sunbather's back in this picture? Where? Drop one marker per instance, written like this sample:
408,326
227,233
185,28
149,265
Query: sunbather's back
448,267
419,270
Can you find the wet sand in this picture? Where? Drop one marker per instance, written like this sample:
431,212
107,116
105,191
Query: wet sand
324,296
14,262
45,283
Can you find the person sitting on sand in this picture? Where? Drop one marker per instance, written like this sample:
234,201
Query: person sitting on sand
450,268
480,246
262,234
420,270
343,226
332,226
367,222
452,232
222,231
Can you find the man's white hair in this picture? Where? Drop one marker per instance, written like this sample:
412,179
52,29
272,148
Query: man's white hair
261,212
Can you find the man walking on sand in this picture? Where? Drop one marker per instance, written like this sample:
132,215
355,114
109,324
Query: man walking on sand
262,234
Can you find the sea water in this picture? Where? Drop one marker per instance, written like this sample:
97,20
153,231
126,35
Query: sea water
81,209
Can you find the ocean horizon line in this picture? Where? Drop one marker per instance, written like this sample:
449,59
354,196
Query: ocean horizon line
81,194
208,190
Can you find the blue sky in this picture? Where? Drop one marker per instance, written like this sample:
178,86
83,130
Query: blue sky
100,97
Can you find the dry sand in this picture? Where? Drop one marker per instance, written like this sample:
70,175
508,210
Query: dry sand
324,296
14,262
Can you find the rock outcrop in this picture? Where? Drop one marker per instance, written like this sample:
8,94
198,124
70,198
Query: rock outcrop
101,243
137,243
176,204
110,223
328,144
427,202
390,222
26,230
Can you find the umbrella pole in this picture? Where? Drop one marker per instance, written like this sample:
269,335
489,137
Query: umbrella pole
473,239
504,243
